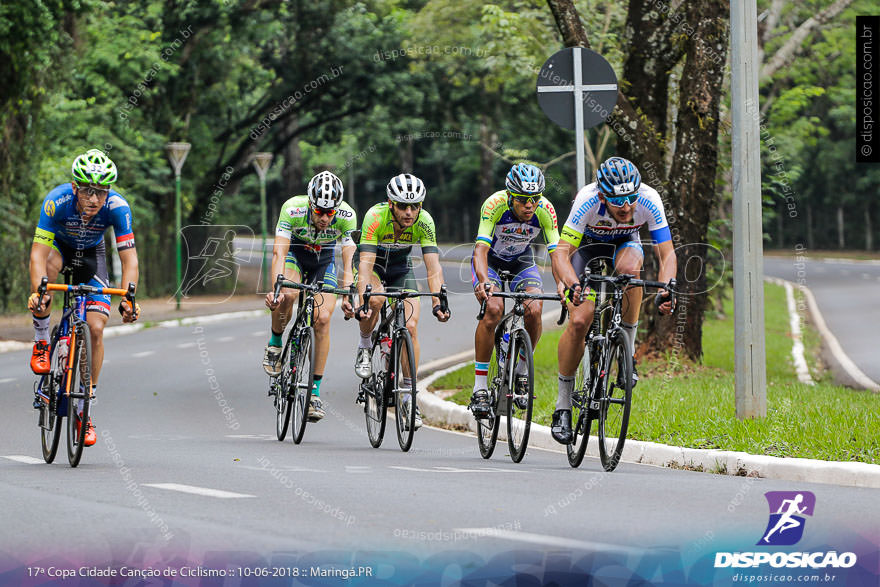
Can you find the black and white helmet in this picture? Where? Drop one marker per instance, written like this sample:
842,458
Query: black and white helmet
406,189
325,191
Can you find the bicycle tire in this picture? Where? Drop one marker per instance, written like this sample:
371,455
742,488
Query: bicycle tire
50,432
405,417
78,377
303,380
375,388
615,402
581,415
487,428
282,385
519,404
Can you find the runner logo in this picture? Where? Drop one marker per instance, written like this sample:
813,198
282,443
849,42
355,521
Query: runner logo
786,524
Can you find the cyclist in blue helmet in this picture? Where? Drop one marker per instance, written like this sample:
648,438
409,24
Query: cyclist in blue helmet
604,223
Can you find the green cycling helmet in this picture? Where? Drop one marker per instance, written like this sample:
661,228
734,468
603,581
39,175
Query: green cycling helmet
94,167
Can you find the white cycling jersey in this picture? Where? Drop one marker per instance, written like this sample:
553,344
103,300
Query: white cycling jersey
590,217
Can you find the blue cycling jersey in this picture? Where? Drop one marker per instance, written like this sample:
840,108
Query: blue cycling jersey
60,220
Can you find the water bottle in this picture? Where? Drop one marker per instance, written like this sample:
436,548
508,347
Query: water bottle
502,352
62,349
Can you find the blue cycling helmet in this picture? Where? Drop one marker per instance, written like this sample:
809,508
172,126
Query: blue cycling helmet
524,179
618,177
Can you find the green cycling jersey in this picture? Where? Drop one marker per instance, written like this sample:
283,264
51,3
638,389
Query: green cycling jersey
377,235
294,224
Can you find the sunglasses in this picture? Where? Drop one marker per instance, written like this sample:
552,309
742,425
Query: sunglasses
524,199
403,207
329,212
89,191
620,201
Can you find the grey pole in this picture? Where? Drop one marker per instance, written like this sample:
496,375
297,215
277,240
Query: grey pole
748,262
579,121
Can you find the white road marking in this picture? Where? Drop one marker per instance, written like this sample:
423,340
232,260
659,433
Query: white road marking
866,276
24,459
8,379
797,346
143,354
252,436
259,333
206,491
186,345
547,540
357,469
226,339
457,470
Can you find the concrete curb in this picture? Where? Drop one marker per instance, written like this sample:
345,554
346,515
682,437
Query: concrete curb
450,415
14,345
794,324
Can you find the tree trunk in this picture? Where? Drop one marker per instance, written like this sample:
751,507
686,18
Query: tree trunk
405,150
840,240
811,243
693,193
869,234
292,173
486,179
780,241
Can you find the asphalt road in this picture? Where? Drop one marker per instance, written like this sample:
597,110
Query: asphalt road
846,292
183,472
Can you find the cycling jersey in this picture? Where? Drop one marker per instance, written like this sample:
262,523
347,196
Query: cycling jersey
60,221
377,236
506,236
294,223
590,217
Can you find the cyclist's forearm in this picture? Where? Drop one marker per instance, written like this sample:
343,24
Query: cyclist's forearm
365,269
130,271
481,263
347,273
668,262
39,264
560,262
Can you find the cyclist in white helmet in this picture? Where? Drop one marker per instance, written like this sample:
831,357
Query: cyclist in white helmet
304,251
390,229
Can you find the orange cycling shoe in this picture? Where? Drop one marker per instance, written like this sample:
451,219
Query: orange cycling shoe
90,438
40,358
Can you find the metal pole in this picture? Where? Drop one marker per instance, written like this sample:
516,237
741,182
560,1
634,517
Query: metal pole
177,243
579,120
263,229
748,262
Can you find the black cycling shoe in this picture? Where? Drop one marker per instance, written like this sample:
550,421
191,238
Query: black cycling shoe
560,427
635,376
480,404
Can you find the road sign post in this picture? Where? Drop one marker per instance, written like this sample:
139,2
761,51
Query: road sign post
261,164
750,390
177,153
570,80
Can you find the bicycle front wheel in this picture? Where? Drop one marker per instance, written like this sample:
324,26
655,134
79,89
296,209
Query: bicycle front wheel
615,401
303,379
49,418
403,366
581,415
282,386
374,388
79,384
487,428
520,395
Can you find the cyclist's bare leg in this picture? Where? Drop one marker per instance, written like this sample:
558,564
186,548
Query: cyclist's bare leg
534,325
629,261
484,337
324,306
53,267
283,313
413,308
571,344
368,324
96,321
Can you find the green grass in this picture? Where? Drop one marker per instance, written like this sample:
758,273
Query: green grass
693,405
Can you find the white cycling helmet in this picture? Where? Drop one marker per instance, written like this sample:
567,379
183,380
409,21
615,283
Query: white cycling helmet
406,189
325,191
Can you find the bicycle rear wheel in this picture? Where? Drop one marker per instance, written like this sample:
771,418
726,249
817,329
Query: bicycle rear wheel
374,388
49,419
403,361
615,402
79,382
581,415
303,379
487,428
519,398
282,385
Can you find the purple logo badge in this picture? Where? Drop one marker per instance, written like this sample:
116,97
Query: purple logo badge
786,524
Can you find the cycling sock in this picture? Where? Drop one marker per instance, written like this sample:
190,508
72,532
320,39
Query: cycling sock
316,388
566,385
521,366
480,371
365,342
629,332
275,339
41,328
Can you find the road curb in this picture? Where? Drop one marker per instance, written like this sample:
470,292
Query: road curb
450,415
15,345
